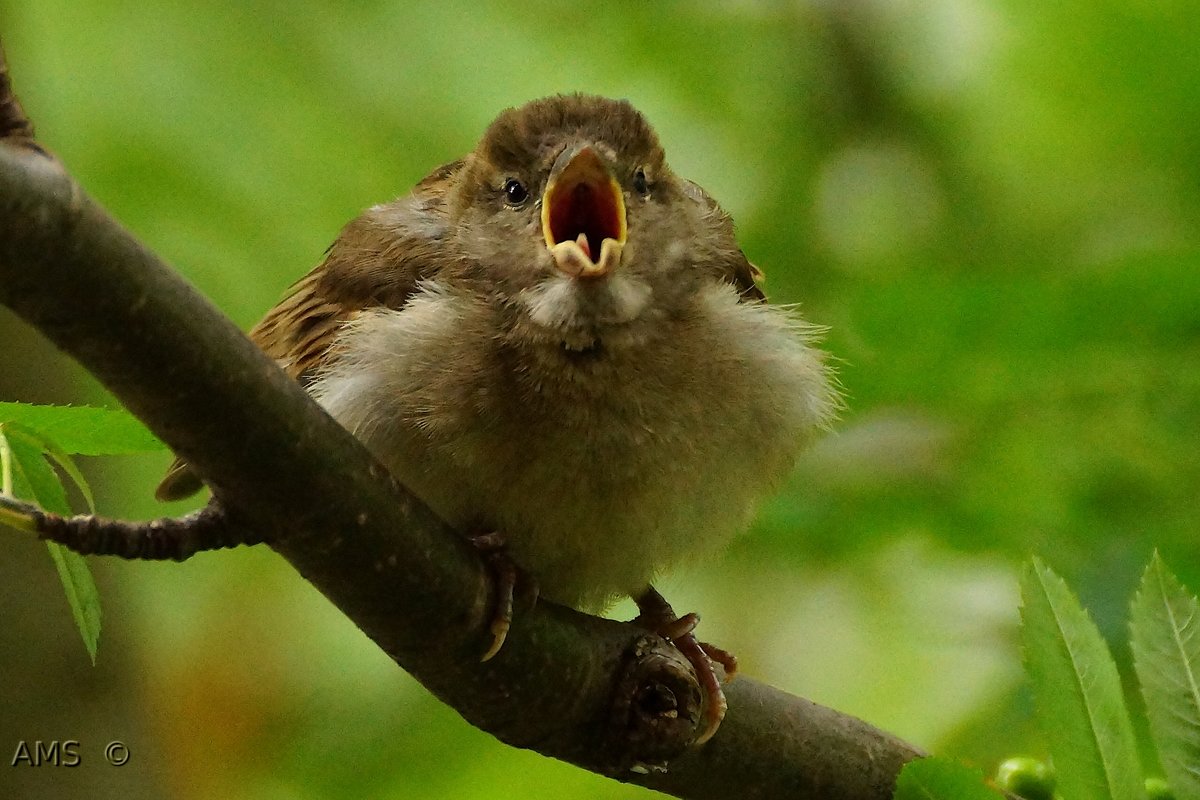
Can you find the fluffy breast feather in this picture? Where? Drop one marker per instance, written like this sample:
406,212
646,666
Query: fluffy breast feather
606,467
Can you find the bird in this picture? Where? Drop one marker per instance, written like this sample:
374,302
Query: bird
558,345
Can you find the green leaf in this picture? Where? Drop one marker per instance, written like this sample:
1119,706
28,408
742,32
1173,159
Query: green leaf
1078,693
67,465
84,430
33,478
941,779
1165,626
82,594
29,464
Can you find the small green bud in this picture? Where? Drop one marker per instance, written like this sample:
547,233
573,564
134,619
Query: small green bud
1157,789
1026,777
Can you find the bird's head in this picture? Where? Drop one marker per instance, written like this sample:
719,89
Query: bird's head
568,208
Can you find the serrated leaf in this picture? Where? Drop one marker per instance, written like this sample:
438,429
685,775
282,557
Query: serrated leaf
941,779
34,479
84,430
1165,628
1078,693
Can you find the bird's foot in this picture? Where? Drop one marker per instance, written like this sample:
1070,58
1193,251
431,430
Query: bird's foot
507,576
658,616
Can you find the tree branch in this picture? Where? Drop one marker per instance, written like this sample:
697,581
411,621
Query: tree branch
590,691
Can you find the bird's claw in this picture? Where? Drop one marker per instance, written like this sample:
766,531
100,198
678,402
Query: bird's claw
505,579
658,616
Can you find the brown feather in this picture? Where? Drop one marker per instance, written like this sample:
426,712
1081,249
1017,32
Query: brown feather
735,267
377,260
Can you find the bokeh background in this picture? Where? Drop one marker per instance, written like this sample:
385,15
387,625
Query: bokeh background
992,204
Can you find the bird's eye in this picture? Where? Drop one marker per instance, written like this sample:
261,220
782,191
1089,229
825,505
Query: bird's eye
515,192
640,184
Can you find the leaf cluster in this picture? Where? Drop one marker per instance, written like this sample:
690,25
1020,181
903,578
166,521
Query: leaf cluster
1080,703
34,441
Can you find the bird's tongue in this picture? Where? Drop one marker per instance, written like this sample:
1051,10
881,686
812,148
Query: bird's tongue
582,241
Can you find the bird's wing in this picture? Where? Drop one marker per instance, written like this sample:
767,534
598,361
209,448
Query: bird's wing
748,278
377,261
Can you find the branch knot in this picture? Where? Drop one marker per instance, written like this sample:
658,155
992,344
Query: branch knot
657,707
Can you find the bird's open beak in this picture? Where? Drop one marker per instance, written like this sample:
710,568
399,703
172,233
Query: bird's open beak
583,216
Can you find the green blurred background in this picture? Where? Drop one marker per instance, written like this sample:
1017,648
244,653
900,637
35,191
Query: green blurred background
992,205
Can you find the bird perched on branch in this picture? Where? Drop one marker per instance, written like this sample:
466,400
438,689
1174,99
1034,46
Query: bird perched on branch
558,345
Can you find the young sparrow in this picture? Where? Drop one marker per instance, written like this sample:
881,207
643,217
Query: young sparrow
557,341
